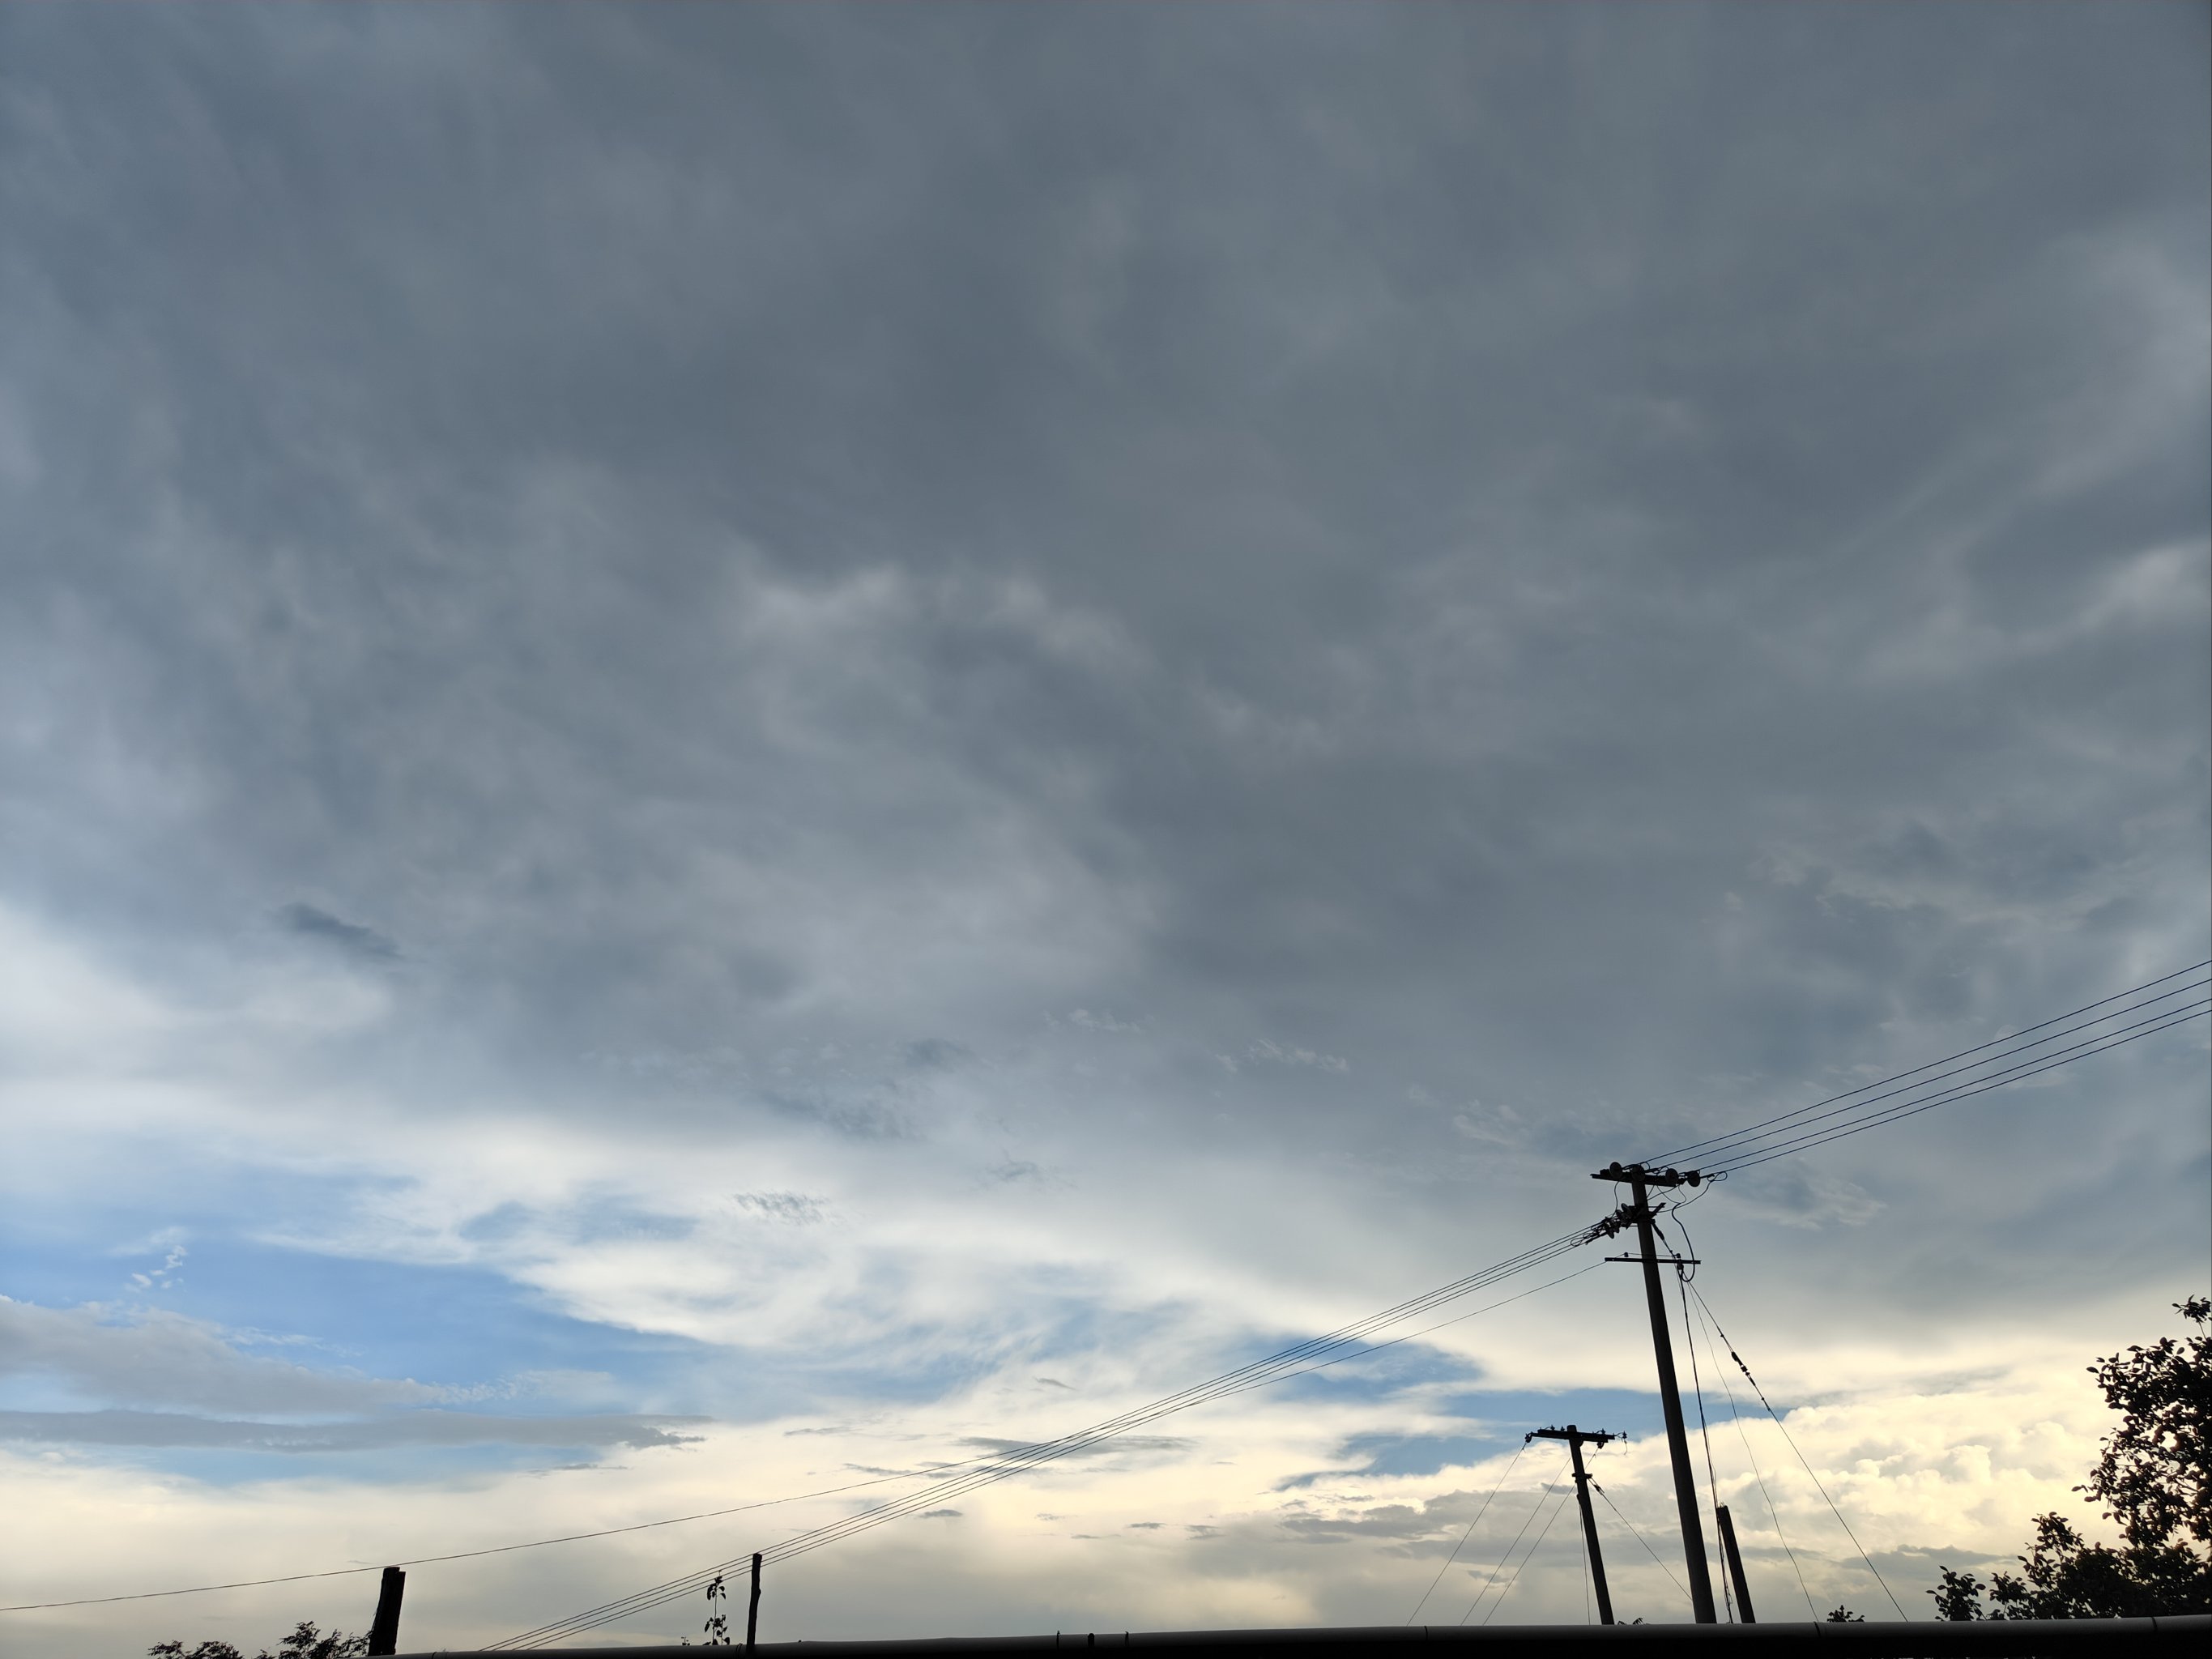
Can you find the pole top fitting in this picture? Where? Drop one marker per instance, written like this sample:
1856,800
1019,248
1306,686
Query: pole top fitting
1669,1176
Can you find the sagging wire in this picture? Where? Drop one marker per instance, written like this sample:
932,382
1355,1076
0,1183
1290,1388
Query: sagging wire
1801,1458
1735,1416
1557,1510
1491,1581
1640,1538
1469,1534
1682,1276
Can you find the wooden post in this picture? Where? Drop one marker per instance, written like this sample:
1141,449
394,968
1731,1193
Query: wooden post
752,1608
384,1633
1734,1564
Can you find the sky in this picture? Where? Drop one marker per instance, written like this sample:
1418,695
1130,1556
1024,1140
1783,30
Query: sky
744,748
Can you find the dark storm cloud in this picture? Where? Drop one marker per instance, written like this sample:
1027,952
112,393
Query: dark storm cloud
1584,563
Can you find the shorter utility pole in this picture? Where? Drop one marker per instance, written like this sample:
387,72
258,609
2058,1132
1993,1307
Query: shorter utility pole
1734,1558
1576,1439
384,1630
752,1608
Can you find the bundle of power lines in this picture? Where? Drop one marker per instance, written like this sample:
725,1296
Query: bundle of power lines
2008,1060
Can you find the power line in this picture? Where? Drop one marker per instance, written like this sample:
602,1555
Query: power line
1751,1457
1762,1142
497,1549
1640,1538
1697,1388
1518,1452
1275,1368
1801,1458
1679,1153
1411,1308
1558,1509
1724,1149
2017,1074
196,1589
1362,1353
1534,1510
1022,1460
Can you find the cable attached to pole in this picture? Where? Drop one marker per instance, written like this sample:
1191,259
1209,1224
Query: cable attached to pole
1697,1388
1640,1538
1518,1452
1801,1458
1735,1416
1491,1581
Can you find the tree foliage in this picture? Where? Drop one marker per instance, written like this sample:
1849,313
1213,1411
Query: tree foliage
2155,1482
306,1641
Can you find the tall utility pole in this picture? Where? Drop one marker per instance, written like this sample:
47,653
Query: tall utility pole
1577,1440
1641,1181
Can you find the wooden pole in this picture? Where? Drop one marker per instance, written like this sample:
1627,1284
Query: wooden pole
1734,1564
1575,1439
752,1608
384,1631
1640,1181
1589,1526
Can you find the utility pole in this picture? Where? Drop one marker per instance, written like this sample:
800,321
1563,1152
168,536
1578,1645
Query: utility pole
1641,1181
1576,1439
752,1608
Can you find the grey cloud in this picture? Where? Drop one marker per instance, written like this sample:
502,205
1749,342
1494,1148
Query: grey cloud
940,1514
163,1359
349,937
937,1054
1609,569
794,1209
417,1428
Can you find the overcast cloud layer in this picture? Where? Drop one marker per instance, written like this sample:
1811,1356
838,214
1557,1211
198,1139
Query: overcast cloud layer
741,743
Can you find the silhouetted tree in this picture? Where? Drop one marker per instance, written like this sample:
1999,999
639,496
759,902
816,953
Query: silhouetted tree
2153,1479
304,1643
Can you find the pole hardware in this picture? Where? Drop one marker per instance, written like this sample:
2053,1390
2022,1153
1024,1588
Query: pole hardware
1576,1439
1669,1176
